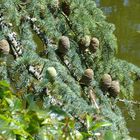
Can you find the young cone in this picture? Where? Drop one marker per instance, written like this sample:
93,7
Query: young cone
87,77
63,45
94,45
114,89
106,82
84,43
4,47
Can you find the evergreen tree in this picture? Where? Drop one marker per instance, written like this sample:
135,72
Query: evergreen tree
63,53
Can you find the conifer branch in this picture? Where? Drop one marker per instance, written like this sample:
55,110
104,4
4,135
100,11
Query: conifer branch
129,101
93,98
69,23
66,91
38,31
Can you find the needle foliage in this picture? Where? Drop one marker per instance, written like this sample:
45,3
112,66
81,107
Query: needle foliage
46,82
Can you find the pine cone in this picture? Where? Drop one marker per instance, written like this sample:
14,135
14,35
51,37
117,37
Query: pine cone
84,42
42,13
94,45
64,45
106,82
52,72
4,47
65,8
89,73
114,89
87,77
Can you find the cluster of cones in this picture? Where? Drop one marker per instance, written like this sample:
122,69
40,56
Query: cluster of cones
87,42
107,84
111,86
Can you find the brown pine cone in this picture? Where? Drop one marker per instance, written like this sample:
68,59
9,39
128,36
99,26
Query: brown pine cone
114,89
89,73
84,42
87,77
106,82
4,47
65,8
64,44
94,45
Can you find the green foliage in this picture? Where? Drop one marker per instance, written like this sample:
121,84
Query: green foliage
23,119
39,25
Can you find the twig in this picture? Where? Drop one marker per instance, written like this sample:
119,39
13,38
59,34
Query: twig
93,98
68,22
129,101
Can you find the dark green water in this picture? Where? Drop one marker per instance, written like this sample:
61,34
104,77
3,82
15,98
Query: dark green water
125,14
